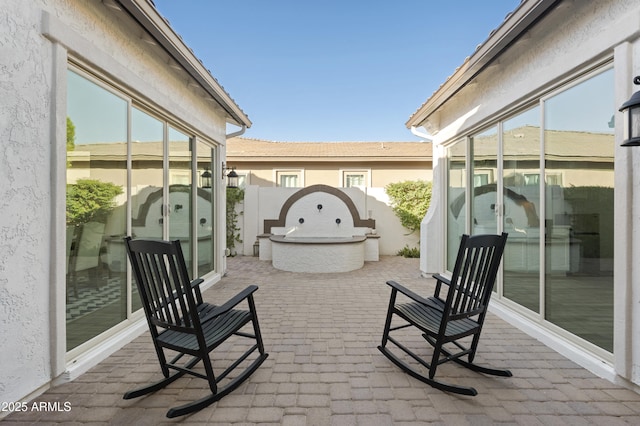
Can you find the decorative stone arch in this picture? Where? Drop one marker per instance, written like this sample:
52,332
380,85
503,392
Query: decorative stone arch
280,222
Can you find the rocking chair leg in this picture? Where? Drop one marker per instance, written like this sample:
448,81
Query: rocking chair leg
153,387
475,367
160,384
484,370
462,390
210,399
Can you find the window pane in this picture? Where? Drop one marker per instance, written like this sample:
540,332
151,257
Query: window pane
456,193
521,177
96,209
288,180
579,147
485,198
147,157
354,179
205,206
180,193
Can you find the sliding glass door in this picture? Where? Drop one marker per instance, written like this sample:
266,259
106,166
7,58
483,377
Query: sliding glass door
545,176
96,209
578,157
130,171
521,204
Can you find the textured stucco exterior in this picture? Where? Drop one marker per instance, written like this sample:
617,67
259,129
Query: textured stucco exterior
573,38
39,39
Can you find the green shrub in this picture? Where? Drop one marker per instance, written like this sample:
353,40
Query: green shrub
410,252
410,201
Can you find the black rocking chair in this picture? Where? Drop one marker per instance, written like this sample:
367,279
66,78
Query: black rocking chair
180,321
444,320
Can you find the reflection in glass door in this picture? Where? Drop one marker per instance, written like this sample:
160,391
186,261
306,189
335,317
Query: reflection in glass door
147,176
180,193
557,189
521,200
579,181
205,209
96,209
147,158
485,190
120,156
456,199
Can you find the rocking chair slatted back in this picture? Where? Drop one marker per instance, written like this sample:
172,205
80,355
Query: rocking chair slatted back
474,275
165,288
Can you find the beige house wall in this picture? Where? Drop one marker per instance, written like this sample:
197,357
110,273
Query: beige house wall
263,174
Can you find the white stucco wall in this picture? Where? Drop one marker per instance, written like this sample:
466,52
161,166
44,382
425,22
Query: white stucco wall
575,37
265,203
25,170
37,39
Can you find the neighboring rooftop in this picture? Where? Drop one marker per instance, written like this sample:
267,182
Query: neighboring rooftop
262,150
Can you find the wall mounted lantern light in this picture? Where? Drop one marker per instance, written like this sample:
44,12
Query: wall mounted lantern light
205,179
631,110
232,176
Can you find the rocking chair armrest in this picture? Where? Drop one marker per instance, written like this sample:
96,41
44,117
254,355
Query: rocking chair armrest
195,287
229,304
441,279
410,294
196,283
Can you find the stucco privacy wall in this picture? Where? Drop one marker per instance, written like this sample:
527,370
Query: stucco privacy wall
37,37
262,203
575,37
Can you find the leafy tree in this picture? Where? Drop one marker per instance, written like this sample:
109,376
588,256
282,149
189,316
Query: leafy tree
410,201
90,200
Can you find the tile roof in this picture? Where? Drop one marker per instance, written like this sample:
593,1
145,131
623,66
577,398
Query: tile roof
257,149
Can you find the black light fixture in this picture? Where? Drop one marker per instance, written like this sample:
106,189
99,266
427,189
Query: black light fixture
205,179
232,176
631,110
232,179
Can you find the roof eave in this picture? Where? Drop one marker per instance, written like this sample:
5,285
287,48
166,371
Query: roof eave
512,28
147,15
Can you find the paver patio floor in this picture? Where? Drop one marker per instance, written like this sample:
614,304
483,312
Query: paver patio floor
321,332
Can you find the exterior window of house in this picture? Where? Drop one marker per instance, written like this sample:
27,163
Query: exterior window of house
243,179
579,212
481,179
555,199
355,179
288,179
157,193
456,196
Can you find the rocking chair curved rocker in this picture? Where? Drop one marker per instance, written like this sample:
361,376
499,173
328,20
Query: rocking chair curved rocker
444,320
180,321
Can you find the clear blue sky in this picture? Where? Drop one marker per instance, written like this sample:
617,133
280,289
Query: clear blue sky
332,70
